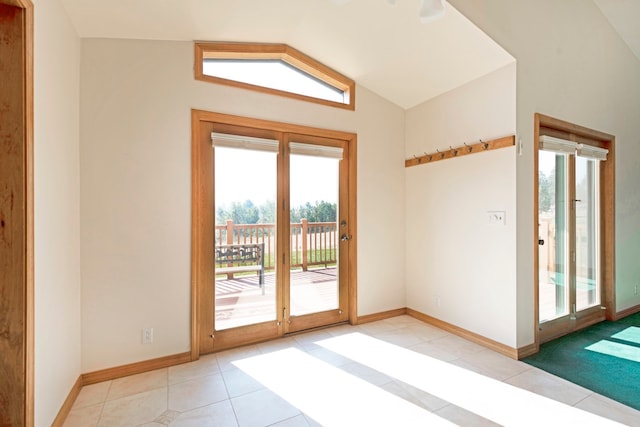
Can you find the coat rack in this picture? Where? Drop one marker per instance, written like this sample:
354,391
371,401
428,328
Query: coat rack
450,153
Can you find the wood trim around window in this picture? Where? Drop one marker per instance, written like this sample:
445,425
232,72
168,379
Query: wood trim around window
202,232
545,125
16,214
283,52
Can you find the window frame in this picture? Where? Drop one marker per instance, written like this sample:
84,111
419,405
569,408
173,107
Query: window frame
283,52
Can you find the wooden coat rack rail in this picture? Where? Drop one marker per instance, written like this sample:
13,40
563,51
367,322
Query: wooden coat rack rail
479,147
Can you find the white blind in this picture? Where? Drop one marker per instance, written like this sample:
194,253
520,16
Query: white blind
315,150
244,142
591,152
557,145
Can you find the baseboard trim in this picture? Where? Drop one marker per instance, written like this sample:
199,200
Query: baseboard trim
466,334
135,368
626,312
68,403
381,316
528,350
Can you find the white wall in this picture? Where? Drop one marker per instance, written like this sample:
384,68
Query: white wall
572,66
136,101
460,268
57,208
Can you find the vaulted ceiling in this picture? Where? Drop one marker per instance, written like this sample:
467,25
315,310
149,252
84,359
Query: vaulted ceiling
383,47
624,16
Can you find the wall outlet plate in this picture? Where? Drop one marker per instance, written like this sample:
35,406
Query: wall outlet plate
147,336
496,217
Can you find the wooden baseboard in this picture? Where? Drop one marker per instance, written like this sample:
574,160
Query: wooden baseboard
528,350
68,403
468,335
381,316
627,312
112,374
135,368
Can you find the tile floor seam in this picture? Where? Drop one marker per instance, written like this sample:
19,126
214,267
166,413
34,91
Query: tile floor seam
197,377
205,405
504,380
140,392
101,410
584,398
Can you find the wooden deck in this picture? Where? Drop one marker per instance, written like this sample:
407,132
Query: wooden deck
240,301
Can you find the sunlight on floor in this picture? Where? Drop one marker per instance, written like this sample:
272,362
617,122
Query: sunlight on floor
620,350
616,349
333,397
631,334
491,399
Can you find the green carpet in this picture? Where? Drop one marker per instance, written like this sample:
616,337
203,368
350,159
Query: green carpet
604,358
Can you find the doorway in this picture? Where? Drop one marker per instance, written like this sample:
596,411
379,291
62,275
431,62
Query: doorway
278,207
574,217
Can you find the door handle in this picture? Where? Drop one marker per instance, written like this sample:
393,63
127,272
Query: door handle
541,242
344,237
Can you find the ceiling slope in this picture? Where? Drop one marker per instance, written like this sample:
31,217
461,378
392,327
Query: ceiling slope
382,47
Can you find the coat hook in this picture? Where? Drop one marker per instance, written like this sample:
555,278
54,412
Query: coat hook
455,152
485,145
468,147
441,154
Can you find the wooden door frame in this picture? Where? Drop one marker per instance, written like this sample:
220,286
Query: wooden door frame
202,216
16,218
545,125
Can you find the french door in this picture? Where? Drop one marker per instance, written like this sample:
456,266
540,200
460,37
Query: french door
570,249
282,228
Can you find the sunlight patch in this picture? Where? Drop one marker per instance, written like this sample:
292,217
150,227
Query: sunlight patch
486,397
631,334
331,396
615,349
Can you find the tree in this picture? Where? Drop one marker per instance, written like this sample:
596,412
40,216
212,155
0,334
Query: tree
320,212
546,190
248,213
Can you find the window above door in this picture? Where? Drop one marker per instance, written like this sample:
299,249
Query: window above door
273,68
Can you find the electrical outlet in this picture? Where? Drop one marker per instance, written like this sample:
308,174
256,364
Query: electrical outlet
496,217
147,336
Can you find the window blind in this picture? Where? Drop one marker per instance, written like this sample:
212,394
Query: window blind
550,143
315,150
244,142
592,152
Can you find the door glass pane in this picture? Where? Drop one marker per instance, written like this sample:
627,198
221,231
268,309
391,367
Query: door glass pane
587,207
553,280
313,190
245,194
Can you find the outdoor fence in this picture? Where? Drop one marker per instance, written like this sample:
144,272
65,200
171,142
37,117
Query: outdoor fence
312,243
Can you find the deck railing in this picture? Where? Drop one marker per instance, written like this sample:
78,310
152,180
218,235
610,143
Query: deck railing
312,243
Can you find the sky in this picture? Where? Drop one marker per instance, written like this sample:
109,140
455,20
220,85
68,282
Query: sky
242,174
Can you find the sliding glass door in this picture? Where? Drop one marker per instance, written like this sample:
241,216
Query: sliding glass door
569,243
587,213
553,234
316,294
281,235
245,231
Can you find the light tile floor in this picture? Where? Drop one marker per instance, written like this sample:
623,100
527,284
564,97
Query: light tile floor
398,371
